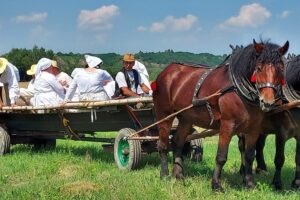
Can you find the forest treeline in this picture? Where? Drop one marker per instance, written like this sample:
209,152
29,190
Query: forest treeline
154,61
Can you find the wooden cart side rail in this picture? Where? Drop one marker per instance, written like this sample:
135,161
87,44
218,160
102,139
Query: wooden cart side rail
83,104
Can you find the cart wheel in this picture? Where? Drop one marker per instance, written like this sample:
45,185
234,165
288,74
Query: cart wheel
127,153
196,153
4,141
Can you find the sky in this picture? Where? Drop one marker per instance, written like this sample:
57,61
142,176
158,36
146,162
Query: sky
130,26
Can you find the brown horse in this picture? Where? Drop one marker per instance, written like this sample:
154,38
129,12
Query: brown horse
232,112
286,125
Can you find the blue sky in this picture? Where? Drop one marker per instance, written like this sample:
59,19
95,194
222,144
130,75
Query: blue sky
102,26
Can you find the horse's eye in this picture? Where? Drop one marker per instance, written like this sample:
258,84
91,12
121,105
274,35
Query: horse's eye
258,69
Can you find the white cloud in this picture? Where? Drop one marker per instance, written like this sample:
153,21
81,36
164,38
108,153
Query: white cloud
285,14
141,28
34,17
98,19
40,31
251,15
174,24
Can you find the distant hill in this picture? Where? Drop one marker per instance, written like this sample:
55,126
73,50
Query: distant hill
154,61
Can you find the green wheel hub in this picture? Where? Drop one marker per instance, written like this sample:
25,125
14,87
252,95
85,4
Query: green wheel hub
123,152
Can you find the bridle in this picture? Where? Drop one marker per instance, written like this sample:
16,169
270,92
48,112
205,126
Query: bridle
276,87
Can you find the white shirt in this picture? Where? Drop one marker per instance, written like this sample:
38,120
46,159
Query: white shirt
11,77
47,90
88,82
29,91
120,79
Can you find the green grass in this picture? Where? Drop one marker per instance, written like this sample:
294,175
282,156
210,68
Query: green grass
82,170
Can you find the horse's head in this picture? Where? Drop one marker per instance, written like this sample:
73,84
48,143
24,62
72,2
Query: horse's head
268,73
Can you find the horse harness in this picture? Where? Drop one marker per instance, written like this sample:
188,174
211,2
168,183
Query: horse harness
246,89
200,102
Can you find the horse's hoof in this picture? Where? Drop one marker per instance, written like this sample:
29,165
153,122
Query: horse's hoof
261,171
250,185
178,174
165,178
179,177
296,184
216,187
164,175
277,185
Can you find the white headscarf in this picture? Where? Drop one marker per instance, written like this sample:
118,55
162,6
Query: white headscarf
140,67
92,61
44,63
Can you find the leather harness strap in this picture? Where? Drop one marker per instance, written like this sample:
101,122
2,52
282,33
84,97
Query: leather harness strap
197,102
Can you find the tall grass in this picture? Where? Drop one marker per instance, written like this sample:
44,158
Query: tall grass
82,170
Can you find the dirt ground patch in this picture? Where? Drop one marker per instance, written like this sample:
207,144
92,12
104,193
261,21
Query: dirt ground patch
80,187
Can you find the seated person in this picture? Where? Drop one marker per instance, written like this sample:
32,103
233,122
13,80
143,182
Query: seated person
47,90
129,80
89,81
9,77
109,87
63,78
27,93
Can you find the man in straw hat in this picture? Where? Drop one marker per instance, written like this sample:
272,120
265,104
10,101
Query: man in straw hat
47,90
9,76
129,80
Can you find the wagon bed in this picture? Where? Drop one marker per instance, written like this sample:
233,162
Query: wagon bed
79,121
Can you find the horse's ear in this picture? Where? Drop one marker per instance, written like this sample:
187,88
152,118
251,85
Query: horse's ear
282,50
258,47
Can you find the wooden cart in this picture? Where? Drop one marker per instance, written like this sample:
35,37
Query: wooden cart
41,126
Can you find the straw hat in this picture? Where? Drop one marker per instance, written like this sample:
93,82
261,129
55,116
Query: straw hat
32,70
92,61
54,64
128,58
3,64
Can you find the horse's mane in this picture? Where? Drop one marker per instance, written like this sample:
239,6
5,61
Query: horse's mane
293,71
243,62
244,59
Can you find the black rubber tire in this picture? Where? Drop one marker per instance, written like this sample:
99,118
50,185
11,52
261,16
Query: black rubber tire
4,142
43,143
132,158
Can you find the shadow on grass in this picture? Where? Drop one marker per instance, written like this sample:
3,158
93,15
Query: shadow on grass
203,170
92,152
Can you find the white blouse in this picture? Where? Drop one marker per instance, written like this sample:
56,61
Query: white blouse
11,77
88,83
47,90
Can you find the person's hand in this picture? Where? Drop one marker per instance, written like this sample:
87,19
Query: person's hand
63,82
1,105
13,104
62,104
105,82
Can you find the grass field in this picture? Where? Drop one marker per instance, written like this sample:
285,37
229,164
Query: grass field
82,170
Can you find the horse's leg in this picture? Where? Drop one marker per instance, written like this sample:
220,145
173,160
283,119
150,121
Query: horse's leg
260,159
221,158
242,151
279,161
178,142
163,143
250,145
296,181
